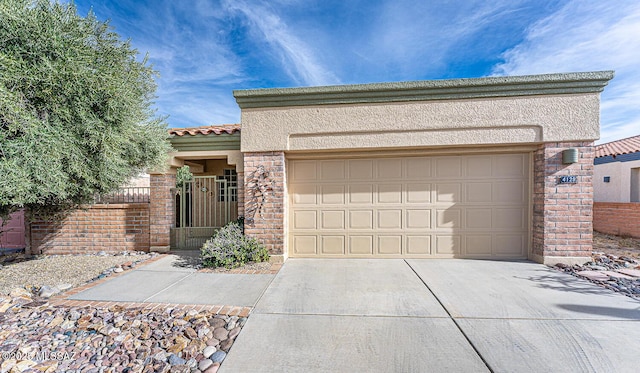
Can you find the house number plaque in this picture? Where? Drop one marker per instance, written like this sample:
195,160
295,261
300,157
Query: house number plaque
567,180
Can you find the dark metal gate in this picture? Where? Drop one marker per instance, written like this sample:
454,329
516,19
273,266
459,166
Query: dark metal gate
203,205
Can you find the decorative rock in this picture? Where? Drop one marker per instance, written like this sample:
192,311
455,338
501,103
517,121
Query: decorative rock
204,364
213,368
233,333
217,322
118,270
226,344
176,360
220,334
19,292
48,291
593,275
218,356
64,287
213,342
208,351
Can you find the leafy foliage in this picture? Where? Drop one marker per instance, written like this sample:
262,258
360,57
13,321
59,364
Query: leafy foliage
183,175
76,116
230,248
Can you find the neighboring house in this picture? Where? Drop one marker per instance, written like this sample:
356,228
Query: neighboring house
616,175
489,168
616,187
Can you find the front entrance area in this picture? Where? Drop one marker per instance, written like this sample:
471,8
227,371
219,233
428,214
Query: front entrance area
203,205
468,206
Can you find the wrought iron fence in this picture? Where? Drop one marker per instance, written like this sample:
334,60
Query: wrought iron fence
126,195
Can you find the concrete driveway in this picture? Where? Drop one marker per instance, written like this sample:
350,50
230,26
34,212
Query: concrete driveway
435,316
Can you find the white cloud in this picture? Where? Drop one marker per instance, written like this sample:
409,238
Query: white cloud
589,36
297,57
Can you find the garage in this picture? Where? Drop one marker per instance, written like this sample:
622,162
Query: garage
466,206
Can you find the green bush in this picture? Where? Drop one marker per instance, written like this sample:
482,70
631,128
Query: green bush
230,248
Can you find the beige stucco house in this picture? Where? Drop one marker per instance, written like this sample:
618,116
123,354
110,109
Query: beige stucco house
488,168
468,168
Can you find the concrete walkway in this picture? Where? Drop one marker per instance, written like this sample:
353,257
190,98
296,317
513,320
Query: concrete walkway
174,279
437,316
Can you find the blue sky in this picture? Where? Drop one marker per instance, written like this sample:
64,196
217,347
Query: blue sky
204,49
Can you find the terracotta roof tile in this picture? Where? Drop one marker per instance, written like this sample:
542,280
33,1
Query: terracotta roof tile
624,146
206,130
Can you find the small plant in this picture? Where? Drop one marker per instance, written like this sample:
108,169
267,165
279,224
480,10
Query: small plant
230,248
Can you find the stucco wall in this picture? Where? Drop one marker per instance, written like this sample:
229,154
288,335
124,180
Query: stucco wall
511,120
619,187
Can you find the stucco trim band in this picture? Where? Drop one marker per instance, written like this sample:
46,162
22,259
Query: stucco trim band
507,86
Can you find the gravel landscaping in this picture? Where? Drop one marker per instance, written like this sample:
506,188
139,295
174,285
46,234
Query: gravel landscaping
63,271
615,264
35,337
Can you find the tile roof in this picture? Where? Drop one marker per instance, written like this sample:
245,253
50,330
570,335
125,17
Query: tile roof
623,146
217,129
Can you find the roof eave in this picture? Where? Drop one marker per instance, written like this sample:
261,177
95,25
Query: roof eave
507,86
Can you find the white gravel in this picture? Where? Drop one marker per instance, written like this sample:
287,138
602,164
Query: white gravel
59,269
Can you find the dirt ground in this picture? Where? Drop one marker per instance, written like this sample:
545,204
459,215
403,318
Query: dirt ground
616,245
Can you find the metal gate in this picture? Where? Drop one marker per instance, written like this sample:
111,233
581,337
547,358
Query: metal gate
203,204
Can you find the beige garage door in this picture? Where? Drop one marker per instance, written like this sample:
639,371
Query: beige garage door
472,206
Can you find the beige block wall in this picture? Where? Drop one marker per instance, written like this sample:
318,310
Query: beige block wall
512,120
619,188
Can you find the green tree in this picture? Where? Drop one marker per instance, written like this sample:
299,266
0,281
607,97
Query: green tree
76,115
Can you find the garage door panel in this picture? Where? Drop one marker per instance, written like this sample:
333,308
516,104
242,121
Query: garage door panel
448,218
418,219
305,245
447,245
418,193
450,192
479,192
478,218
360,169
361,219
361,194
333,170
478,245
510,165
478,166
332,245
361,245
305,195
510,192
506,244
332,219
390,219
418,168
508,218
448,167
304,170
389,193
389,169
418,245
304,219
390,244
474,206
332,194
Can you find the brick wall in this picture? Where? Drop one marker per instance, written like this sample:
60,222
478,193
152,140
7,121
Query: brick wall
111,228
161,210
268,227
622,219
562,213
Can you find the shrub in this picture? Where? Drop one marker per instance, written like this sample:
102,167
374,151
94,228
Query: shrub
230,248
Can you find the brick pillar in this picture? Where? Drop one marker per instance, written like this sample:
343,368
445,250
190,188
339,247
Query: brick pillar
240,193
562,213
161,211
267,225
